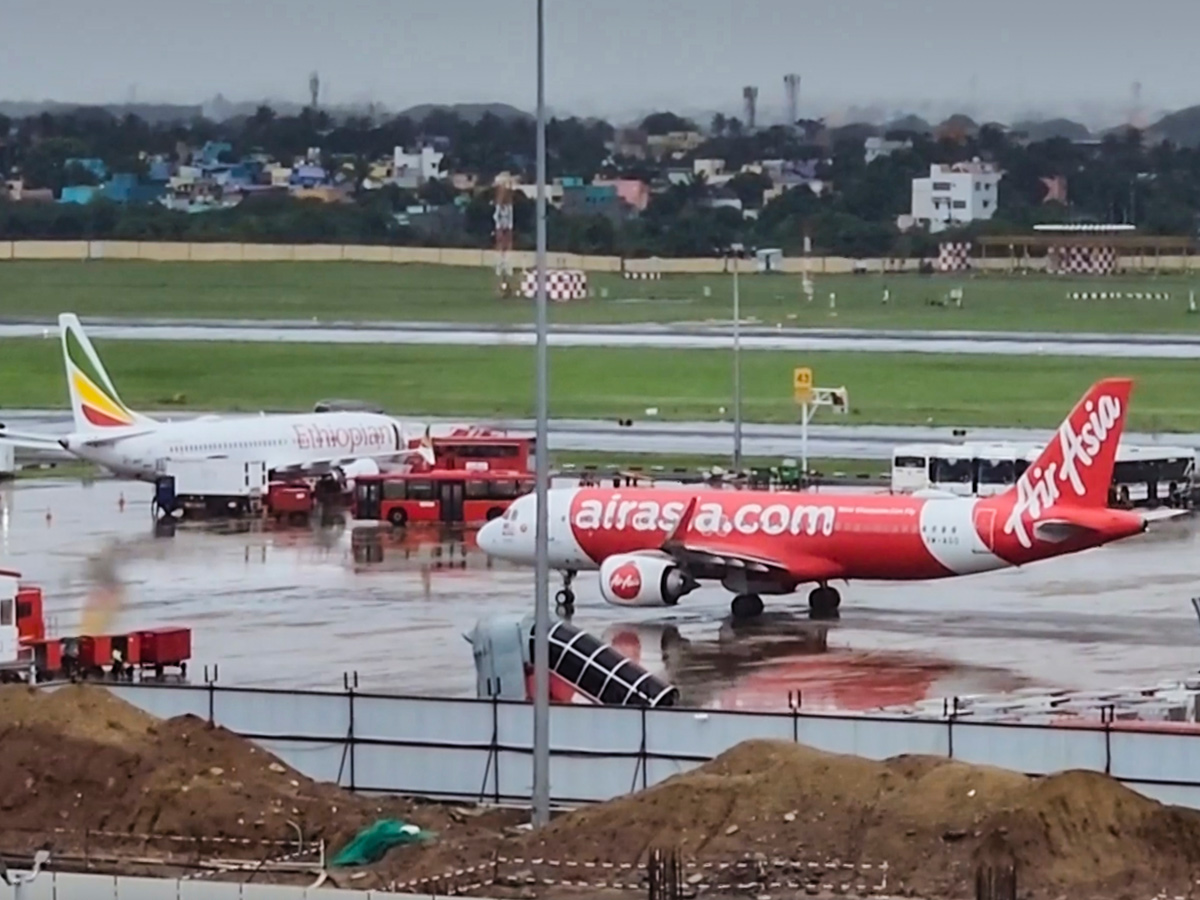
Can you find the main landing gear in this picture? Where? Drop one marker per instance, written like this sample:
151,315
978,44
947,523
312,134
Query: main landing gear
746,606
564,600
823,602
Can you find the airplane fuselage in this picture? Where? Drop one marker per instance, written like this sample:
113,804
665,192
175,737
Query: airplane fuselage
826,536
272,439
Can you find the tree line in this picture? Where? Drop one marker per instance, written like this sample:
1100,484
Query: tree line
1119,178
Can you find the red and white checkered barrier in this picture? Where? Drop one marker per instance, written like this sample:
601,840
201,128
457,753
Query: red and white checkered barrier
561,284
954,256
1081,260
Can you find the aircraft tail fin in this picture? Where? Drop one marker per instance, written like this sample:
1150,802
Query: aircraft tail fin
95,404
1076,466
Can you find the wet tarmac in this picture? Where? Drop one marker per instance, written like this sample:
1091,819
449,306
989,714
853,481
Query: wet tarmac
693,336
300,607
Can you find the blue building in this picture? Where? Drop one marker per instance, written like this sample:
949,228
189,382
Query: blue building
308,176
81,194
95,166
210,153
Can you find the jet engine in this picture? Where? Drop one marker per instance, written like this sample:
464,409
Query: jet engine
644,579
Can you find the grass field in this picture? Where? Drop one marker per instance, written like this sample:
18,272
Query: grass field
603,383
365,291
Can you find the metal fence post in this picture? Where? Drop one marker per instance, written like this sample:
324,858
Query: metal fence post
350,736
643,754
1106,716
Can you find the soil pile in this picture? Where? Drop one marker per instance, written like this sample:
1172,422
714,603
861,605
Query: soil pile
80,760
932,820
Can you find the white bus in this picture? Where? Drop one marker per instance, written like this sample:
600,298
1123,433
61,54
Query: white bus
1143,476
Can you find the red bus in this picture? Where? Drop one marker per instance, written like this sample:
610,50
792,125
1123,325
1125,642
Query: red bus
447,496
481,453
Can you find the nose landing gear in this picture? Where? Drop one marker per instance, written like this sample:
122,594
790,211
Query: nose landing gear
564,600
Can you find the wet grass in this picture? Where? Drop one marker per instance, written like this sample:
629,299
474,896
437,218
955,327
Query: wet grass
603,383
366,291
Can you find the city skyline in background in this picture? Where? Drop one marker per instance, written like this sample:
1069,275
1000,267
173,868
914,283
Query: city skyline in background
620,62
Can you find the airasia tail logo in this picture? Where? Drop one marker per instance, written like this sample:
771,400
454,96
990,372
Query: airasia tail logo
1040,487
625,582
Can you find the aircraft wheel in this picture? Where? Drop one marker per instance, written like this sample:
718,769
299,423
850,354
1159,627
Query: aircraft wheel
823,603
746,606
564,600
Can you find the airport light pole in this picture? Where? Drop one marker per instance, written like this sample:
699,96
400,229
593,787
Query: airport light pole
737,363
541,590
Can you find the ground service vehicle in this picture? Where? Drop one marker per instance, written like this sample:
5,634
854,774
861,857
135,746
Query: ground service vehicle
448,496
28,654
477,453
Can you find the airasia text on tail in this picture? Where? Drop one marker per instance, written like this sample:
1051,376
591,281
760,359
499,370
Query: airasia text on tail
1080,456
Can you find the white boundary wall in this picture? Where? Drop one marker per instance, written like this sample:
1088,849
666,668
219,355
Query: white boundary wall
71,886
480,749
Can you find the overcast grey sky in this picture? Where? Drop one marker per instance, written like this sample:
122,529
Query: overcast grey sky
1078,57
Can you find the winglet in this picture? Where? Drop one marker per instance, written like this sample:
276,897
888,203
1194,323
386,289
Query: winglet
685,522
426,447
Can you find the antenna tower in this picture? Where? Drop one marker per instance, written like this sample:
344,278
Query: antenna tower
791,84
314,89
750,98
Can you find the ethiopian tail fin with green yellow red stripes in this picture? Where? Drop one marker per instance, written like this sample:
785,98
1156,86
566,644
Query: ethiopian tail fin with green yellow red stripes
95,404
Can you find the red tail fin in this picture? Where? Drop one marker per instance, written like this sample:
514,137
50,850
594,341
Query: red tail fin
1076,467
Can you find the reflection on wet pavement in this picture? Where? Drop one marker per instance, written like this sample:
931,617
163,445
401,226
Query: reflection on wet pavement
301,607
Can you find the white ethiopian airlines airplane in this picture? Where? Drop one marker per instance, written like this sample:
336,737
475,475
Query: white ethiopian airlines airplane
133,445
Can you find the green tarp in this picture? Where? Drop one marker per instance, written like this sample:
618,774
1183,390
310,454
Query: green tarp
370,844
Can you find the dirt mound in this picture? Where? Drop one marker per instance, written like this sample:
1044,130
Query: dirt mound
79,760
78,711
931,819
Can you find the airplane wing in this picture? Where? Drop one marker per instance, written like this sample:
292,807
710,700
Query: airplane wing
309,467
27,439
1158,515
714,556
33,440
108,440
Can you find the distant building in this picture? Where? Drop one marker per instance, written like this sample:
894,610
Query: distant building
875,147
95,167
660,145
633,193
81,194
308,176
414,169
955,194
210,153
592,200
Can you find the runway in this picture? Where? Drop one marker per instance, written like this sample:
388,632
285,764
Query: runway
774,441
299,608
688,336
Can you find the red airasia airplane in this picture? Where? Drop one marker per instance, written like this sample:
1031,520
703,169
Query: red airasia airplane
652,546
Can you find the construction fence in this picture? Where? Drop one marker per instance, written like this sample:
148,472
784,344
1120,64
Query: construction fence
482,749
163,251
